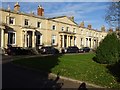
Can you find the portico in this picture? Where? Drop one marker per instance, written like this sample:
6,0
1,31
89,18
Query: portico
29,38
91,42
67,40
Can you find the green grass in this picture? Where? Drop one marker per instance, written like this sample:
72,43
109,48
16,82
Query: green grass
79,66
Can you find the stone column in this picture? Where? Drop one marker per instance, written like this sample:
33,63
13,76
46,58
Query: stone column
86,42
33,38
67,40
60,42
63,41
70,40
91,42
25,39
74,40
2,38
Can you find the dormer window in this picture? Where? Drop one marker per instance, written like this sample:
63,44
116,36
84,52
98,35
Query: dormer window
26,22
12,20
53,27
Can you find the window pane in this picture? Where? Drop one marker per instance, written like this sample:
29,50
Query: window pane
67,29
53,27
53,39
11,20
62,28
26,21
38,24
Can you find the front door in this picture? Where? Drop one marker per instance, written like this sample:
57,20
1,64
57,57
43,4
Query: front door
65,40
29,39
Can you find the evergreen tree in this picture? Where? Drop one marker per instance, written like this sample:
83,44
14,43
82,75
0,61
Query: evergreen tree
108,51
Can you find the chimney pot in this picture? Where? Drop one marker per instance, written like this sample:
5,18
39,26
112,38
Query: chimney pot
16,7
103,28
82,24
40,11
89,26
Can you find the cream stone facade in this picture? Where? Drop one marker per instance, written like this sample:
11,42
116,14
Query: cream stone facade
30,30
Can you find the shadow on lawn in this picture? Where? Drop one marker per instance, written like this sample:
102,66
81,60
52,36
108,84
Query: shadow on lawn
115,70
22,76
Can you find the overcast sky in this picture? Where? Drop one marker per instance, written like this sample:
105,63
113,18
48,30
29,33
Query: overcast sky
89,12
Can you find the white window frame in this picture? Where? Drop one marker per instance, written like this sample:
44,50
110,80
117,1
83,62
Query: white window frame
28,22
67,29
9,38
54,28
54,39
62,29
8,20
13,20
74,30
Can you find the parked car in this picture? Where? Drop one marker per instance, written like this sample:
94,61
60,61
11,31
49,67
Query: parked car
14,50
84,49
48,50
20,51
71,49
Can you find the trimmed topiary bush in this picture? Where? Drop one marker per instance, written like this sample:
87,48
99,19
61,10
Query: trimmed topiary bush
108,51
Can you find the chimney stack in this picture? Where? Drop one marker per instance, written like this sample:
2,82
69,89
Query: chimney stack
89,26
110,30
8,8
40,11
71,18
103,28
16,7
82,24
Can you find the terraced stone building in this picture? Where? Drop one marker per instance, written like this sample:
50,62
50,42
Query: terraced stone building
30,30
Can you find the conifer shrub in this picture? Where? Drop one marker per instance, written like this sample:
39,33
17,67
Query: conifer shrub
108,51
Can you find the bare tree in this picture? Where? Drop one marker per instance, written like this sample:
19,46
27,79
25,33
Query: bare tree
112,16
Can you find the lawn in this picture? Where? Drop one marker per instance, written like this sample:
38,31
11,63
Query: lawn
77,66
